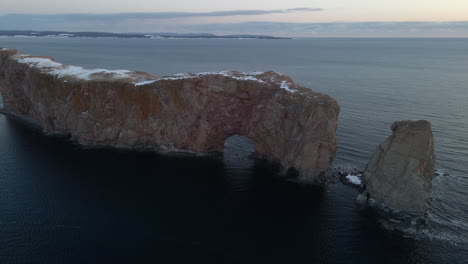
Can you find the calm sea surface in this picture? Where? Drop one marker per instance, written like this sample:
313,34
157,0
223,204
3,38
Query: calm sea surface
61,203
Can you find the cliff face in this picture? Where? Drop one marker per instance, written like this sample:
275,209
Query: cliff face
401,169
186,112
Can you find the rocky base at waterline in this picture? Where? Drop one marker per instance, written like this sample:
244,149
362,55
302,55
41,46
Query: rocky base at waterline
345,174
401,169
287,124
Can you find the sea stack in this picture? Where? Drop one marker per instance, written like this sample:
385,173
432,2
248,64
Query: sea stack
288,124
401,169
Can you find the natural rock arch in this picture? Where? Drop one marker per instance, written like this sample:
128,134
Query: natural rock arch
186,112
239,145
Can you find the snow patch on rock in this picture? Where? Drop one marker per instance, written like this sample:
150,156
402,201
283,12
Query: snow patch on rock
54,68
244,76
285,85
60,70
144,82
39,62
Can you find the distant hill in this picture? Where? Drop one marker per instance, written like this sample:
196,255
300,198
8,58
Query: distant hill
65,34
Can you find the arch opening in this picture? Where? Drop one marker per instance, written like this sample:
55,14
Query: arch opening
1,101
238,151
239,146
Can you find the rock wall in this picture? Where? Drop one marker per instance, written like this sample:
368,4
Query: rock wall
401,169
185,112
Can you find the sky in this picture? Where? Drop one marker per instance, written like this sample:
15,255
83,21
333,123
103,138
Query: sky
294,18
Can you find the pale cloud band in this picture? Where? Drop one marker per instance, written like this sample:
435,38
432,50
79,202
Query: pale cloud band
449,29
169,22
154,15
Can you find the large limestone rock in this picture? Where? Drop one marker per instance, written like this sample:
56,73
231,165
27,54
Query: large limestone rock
186,112
401,169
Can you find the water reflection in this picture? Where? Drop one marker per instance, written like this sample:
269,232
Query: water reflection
62,203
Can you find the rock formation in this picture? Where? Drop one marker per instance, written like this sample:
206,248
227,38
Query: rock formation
401,169
185,112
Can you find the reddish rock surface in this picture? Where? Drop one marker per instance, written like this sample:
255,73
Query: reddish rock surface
186,112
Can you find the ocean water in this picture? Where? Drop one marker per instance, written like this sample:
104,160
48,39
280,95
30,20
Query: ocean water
61,203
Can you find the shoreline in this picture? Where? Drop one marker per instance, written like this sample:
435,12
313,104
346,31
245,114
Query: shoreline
67,34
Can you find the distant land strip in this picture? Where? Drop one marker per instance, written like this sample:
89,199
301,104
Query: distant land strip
65,34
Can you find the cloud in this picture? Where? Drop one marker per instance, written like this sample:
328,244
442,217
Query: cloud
337,29
141,16
304,9
165,22
106,22
119,21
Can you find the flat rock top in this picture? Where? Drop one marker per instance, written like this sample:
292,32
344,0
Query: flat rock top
411,125
48,65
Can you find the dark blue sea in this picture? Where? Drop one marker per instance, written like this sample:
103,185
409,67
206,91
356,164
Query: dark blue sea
63,203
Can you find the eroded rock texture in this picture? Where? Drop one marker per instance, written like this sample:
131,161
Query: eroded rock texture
401,169
186,112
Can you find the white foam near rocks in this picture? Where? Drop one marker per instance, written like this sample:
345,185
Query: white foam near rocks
354,179
441,172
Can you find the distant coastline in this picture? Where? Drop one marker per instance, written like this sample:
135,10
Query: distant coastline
66,34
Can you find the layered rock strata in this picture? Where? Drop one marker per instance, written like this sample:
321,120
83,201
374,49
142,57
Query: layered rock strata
401,169
185,112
